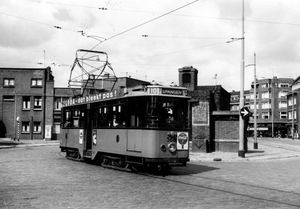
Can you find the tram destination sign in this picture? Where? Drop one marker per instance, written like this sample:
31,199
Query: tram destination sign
91,98
166,91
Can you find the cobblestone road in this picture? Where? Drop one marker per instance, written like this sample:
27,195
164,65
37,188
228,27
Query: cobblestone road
41,177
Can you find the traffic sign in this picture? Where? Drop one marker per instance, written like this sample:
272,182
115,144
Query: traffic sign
245,113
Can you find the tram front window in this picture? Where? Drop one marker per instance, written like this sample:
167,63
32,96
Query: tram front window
168,113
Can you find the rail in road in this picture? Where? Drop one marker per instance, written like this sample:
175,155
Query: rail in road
253,193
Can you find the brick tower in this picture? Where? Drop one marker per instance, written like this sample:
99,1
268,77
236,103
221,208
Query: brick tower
188,77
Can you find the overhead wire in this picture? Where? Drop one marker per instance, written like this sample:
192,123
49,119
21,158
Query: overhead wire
152,36
38,22
144,23
184,15
173,52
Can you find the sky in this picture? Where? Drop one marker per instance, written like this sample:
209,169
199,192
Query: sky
151,40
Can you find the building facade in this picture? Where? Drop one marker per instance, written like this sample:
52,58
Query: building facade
207,107
271,106
293,113
26,101
30,105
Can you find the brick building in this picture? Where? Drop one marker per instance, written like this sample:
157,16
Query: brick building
26,102
209,111
30,105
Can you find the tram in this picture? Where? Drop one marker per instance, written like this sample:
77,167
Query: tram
133,129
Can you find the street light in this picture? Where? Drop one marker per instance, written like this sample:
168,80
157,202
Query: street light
241,152
255,144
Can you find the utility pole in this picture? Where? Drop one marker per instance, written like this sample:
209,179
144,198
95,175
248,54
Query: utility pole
241,152
255,144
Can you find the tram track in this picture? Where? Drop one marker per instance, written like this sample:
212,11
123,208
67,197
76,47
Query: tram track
254,192
295,148
270,195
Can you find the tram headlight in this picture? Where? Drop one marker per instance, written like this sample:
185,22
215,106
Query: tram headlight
172,147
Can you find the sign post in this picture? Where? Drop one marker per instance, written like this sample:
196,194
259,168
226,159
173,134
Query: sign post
245,114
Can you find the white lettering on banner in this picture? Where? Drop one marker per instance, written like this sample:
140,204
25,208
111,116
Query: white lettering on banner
91,98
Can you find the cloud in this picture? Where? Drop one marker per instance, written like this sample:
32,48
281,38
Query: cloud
195,35
23,26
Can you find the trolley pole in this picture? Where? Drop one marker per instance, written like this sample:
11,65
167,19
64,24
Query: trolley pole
241,152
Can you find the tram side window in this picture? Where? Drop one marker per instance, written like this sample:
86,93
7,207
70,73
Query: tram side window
119,116
152,113
67,119
73,119
103,117
137,110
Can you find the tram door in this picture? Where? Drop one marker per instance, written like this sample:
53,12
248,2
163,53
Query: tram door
88,128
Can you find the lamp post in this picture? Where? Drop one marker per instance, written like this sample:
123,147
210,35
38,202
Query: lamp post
241,152
255,144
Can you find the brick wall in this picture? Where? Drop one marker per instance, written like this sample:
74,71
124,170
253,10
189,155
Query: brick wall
226,131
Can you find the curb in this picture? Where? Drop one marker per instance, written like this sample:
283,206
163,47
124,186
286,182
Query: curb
22,145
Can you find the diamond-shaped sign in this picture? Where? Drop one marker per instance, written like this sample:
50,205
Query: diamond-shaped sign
245,113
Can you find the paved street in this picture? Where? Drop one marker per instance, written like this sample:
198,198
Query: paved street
41,177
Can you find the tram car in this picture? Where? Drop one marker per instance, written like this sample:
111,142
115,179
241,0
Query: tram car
141,128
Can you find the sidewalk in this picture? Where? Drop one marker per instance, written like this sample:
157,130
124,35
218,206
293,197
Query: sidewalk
6,143
264,151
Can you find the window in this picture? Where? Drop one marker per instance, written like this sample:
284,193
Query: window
25,127
73,118
36,82
37,127
186,78
8,98
234,98
284,85
58,103
252,106
103,116
290,101
169,113
26,103
283,115
76,118
119,117
8,82
265,115
265,95
291,115
282,104
264,85
265,105
37,103
56,128
283,93
234,107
